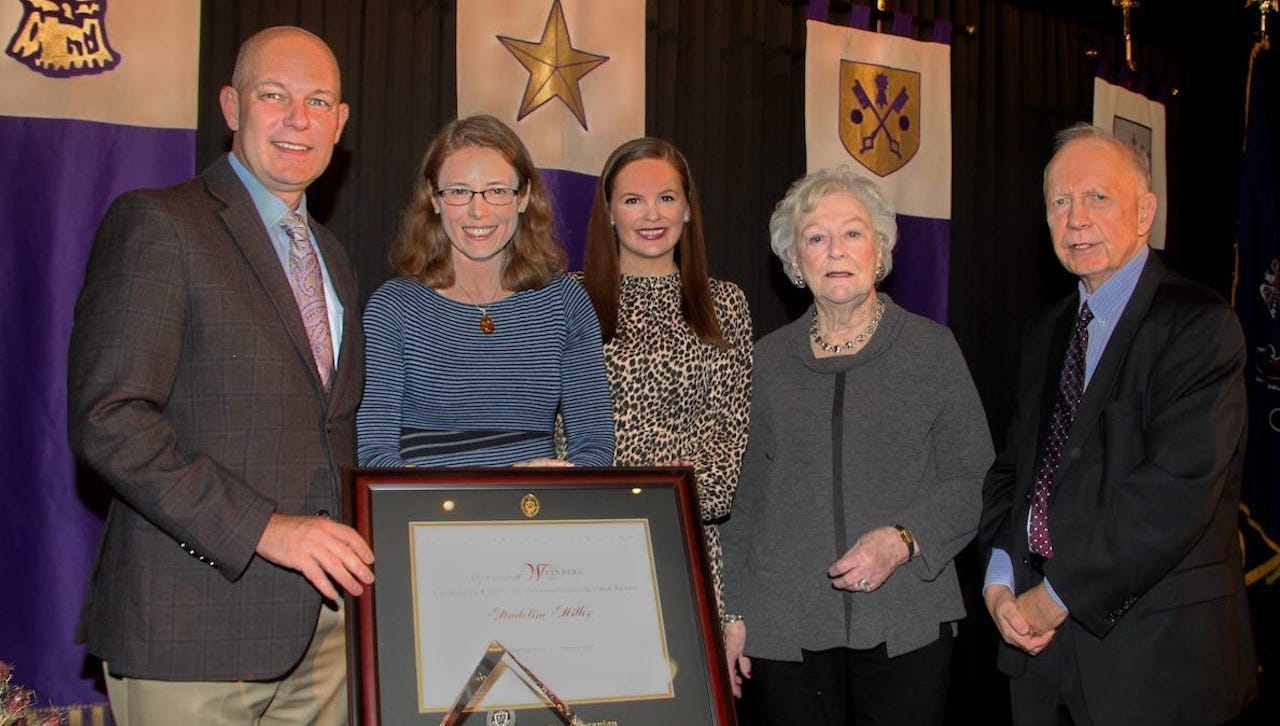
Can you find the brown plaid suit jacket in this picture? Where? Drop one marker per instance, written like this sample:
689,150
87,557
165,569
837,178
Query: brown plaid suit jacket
193,393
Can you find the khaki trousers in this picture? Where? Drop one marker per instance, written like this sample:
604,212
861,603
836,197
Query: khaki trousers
315,692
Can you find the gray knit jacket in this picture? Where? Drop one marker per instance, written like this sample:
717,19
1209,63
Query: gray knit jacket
913,450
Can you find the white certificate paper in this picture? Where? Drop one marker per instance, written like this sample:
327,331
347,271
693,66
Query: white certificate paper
576,602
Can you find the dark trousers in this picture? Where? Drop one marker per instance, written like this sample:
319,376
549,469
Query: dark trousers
1048,692
846,686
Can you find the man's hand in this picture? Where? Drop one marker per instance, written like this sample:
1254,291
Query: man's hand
1012,623
320,549
1041,612
735,640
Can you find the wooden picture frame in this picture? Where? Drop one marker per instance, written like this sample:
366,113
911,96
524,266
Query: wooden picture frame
595,579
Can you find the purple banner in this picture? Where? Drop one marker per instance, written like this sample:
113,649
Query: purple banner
572,194
922,266
56,179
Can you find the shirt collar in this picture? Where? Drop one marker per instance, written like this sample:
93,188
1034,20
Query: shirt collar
1111,296
270,208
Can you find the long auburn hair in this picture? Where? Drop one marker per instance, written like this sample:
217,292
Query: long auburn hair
601,274
422,249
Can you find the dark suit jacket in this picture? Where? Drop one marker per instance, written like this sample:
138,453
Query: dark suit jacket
1144,510
193,392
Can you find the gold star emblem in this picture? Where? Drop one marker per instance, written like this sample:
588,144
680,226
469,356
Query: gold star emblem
555,66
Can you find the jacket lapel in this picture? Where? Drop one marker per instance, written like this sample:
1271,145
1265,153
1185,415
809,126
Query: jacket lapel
1101,389
245,227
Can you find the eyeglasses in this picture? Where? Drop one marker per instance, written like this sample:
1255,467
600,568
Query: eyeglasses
460,196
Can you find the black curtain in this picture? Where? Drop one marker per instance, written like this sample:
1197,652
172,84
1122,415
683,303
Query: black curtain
725,82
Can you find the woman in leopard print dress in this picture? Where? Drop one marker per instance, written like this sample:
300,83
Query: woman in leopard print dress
677,343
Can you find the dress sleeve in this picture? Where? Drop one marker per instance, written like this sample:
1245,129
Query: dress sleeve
586,406
722,423
945,520
378,422
743,526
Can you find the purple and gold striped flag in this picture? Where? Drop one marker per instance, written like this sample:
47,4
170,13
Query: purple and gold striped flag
881,104
95,98
568,76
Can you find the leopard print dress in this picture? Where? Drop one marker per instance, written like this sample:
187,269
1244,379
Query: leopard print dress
677,398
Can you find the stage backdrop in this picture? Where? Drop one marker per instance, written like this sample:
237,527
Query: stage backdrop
881,104
568,76
97,98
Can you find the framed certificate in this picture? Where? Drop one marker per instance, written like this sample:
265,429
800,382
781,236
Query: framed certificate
534,595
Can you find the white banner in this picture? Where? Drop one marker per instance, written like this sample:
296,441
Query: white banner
881,104
132,63
567,75
1139,121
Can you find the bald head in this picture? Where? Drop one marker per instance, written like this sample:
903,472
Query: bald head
252,46
285,108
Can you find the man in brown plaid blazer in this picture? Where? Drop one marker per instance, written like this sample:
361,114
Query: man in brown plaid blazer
195,393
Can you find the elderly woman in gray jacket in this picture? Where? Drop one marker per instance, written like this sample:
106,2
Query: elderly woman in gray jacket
861,481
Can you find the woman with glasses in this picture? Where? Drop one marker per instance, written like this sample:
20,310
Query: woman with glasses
677,343
480,340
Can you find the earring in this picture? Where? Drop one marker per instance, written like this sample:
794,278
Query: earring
611,221
798,280
880,272
686,217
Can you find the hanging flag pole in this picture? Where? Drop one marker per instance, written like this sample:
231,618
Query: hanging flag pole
1126,8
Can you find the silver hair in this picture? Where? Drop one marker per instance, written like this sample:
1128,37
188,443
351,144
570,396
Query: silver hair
1138,158
805,194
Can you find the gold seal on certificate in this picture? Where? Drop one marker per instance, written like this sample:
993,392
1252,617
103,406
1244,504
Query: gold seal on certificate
529,505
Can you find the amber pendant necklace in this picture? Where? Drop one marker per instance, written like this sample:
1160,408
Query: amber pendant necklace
486,322
487,325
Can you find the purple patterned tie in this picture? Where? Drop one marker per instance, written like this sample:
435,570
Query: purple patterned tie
308,291
1070,390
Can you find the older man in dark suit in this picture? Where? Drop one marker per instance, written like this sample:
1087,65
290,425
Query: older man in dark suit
1115,575
216,365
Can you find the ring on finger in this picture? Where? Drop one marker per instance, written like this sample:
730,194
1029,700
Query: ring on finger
864,585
